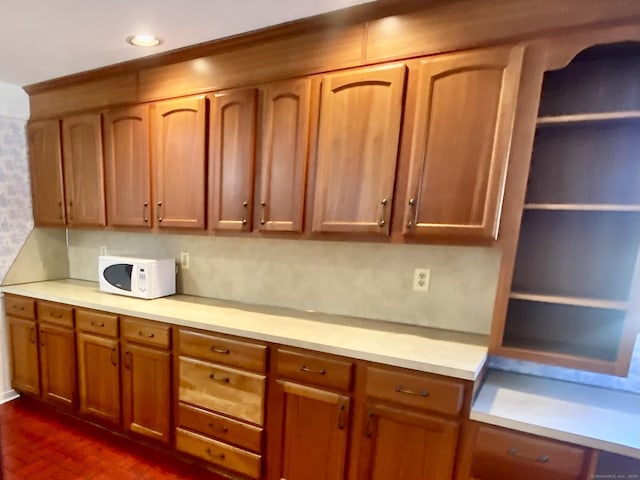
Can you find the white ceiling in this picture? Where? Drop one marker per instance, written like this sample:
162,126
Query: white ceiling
45,39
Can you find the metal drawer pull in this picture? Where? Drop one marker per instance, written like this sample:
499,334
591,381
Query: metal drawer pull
383,215
148,335
32,334
114,357
212,376
400,389
42,338
341,416
412,222
145,209
322,371
127,360
97,324
369,426
219,429
158,216
540,458
263,218
245,206
221,456
215,349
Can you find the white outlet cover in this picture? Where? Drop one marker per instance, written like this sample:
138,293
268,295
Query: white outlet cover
184,260
421,279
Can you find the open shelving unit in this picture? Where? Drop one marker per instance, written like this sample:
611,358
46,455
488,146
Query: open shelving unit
577,253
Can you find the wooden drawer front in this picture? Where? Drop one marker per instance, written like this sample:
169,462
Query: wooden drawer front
315,369
221,428
55,313
19,306
502,455
221,389
223,350
144,331
218,453
96,322
415,390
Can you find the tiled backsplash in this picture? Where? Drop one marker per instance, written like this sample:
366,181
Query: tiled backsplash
367,280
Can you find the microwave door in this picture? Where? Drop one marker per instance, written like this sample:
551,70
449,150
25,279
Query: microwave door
119,275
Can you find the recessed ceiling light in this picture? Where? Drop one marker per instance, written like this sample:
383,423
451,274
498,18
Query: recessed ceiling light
144,40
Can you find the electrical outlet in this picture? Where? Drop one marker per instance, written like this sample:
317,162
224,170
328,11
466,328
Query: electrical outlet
184,260
421,277
103,250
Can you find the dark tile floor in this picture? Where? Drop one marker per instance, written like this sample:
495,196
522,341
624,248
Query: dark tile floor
40,443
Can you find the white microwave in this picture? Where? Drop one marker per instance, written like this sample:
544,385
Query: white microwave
137,277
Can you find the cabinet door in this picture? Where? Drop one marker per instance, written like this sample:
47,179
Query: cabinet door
83,169
179,159
405,445
232,153
23,343
315,434
283,157
58,364
357,149
464,111
146,391
127,163
45,155
99,377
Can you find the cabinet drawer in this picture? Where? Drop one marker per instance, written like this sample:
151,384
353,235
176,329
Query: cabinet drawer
143,331
415,390
221,428
97,322
55,313
218,453
223,350
501,455
19,306
315,369
221,389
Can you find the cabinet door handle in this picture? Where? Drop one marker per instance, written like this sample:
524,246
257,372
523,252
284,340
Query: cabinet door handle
322,371
114,356
145,211
213,377
413,213
401,389
127,360
342,415
95,323
383,214
224,351
70,210
159,217
368,431
540,458
263,214
245,206
215,428
221,456
61,214
146,334
42,338
32,335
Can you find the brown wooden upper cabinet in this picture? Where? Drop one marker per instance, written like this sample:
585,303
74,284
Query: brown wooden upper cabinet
127,162
179,157
357,149
45,153
283,157
232,153
464,111
84,169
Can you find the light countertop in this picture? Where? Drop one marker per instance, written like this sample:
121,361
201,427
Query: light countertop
594,417
428,350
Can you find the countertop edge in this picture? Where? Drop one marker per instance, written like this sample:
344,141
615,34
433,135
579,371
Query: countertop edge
396,361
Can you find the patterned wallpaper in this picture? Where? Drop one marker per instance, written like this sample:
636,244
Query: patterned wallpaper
16,219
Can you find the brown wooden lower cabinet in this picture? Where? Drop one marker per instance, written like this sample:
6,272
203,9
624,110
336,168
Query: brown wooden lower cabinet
58,364
23,341
316,429
401,444
99,377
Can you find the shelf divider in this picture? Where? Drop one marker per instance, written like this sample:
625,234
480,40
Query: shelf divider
574,301
588,118
583,207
